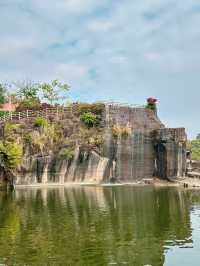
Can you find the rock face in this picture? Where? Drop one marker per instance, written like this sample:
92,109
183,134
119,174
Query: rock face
140,147
149,150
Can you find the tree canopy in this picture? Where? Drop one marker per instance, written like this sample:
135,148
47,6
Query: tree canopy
194,146
30,95
2,93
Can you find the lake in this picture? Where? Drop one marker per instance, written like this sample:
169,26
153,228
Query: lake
90,225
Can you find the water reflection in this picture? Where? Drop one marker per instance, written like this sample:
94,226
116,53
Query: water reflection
94,225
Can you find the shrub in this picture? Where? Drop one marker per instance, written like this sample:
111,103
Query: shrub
10,157
67,153
96,141
3,113
40,122
119,131
151,103
10,131
45,139
28,104
151,106
194,146
27,138
89,119
95,108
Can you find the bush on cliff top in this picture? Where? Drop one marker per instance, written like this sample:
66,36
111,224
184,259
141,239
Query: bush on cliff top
95,108
151,103
29,104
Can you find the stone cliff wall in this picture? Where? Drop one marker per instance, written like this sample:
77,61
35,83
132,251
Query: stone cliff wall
136,146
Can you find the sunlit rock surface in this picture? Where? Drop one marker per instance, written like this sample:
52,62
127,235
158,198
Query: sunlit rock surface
147,149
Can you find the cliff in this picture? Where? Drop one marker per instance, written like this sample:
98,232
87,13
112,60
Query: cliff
96,143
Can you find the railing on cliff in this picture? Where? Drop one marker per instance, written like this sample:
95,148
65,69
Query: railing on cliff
55,112
30,114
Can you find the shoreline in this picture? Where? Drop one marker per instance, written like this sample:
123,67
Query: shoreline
185,182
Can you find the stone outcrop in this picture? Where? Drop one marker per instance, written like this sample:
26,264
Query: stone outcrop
140,148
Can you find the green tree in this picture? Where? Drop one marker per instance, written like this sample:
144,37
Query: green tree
27,90
53,91
28,94
2,93
198,136
194,146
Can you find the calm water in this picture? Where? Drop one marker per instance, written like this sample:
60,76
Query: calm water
100,226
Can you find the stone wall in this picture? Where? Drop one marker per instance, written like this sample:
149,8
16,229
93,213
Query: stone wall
147,150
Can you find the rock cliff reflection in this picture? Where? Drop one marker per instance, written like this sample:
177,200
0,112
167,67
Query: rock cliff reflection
93,225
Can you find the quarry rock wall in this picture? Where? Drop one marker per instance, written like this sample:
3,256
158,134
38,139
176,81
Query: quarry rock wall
142,148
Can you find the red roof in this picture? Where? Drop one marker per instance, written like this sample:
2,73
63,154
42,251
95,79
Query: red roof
8,107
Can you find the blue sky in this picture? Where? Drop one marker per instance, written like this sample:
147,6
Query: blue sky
119,50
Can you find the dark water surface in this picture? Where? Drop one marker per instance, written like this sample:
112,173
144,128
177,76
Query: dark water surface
100,226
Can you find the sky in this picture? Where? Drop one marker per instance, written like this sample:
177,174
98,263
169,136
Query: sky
113,50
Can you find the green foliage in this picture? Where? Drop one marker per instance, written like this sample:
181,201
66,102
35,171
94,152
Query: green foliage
40,122
10,129
95,108
45,139
67,153
27,138
198,136
29,104
53,91
151,106
89,119
27,90
194,146
28,94
10,157
3,113
2,93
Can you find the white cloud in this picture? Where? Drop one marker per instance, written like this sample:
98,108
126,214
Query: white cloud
12,45
119,59
153,56
124,50
70,72
100,26
80,6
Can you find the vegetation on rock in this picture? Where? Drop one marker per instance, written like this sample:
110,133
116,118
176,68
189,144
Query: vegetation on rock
12,132
55,134
194,146
151,103
67,153
90,138
95,108
40,122
119,131
10,158
89,119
